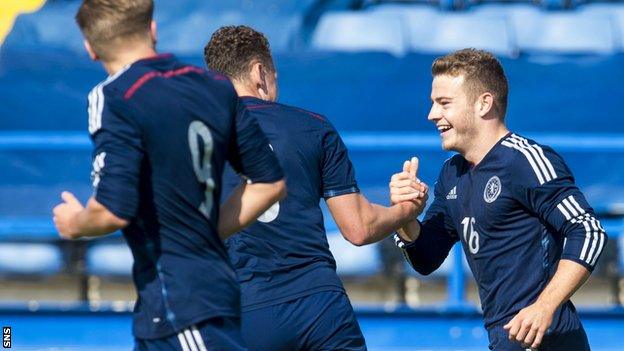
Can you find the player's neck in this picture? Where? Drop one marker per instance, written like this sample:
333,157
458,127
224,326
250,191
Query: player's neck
128,57
484,142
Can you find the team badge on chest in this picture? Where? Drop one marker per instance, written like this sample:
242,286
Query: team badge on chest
492,189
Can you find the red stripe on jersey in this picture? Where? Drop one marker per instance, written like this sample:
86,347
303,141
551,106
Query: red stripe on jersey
167,74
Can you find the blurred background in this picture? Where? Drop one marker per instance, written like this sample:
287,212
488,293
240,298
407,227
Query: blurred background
365,64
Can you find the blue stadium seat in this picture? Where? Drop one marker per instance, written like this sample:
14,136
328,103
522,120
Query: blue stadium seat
52,27
432,31
109,259
445,33
360,31
30,259
563,33
184,26
614,11
189,34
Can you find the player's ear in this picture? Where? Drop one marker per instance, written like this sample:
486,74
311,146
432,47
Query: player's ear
153,32
261,83
484,104
92,53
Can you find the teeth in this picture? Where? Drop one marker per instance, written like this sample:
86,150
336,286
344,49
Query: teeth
443,128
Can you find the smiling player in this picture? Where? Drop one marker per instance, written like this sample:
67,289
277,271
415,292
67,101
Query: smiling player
530,236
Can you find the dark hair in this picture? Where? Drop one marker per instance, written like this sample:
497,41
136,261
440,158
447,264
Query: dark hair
482,73
106,23
232,49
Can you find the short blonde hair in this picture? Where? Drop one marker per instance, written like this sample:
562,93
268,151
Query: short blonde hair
107,23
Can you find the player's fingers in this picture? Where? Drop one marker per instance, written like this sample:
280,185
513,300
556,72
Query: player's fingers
524,330
406,166
403,191
530,337
413,168
538,339
513,329
69,198
398,183
405,197
400,176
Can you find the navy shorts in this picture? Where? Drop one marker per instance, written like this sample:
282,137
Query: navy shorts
214,334
320,321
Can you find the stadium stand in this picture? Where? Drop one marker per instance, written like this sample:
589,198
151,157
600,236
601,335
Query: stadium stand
367,70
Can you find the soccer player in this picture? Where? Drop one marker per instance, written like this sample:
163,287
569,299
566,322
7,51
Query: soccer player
292,298
162,132
530,236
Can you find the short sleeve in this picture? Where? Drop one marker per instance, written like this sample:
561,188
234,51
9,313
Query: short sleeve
338,174
117,158
250,153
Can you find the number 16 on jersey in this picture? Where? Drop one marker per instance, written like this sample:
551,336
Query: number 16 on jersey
471,237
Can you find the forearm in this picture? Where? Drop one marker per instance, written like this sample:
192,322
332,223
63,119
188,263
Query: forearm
381,221
95,220
568,278
426,253
246,203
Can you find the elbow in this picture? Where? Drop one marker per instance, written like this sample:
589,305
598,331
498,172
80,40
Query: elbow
356,236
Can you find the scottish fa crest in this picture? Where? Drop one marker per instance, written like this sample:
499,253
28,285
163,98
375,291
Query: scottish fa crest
492,189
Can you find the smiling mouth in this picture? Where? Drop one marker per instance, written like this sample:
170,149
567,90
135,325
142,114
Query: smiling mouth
444,129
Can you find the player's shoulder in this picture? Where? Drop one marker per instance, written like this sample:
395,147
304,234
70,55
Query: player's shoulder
529,158
287,113
134,77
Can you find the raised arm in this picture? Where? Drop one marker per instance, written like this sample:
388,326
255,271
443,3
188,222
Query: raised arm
362,222
425,245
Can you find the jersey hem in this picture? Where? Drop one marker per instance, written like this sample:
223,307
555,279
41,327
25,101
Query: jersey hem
185,325
287,298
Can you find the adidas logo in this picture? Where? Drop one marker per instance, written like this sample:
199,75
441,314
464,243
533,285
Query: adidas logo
452,195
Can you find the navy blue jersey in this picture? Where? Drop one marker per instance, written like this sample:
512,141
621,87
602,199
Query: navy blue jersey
285,255
162,132
517,213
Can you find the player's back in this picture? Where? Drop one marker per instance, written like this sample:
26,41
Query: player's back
177,123
285,254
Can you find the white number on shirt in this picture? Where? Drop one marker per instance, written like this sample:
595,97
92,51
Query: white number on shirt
471,237
201,165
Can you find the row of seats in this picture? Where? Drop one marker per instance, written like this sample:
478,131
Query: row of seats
464,4
184,26
356,91
507,30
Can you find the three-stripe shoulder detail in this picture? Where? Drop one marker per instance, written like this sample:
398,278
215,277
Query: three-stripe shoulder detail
96,101
541,165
